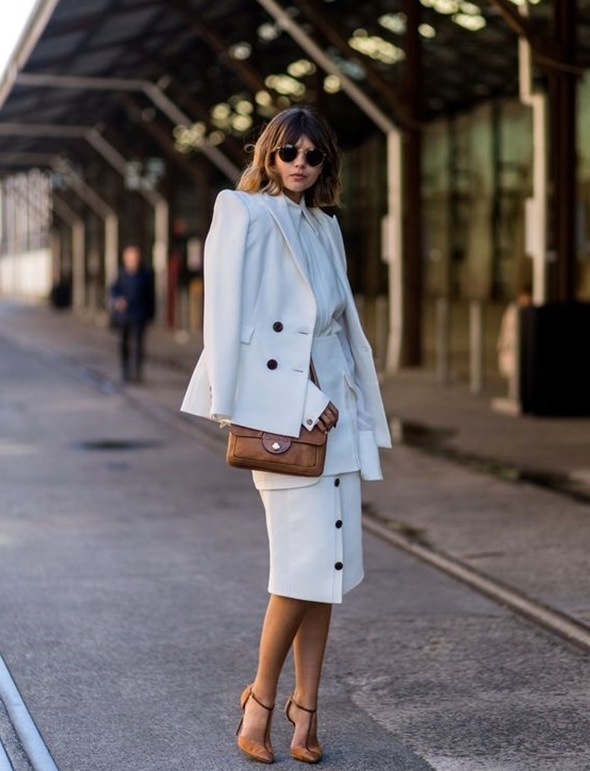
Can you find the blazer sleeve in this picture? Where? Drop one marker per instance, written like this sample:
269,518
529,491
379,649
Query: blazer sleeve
224,254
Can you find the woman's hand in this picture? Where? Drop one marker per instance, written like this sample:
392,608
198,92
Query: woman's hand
328,419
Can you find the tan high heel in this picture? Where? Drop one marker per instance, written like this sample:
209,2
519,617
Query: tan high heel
310,752
263,753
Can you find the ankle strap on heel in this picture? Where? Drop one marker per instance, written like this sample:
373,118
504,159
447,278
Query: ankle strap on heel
257,700
305,709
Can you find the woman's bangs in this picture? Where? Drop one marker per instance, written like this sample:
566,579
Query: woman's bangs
292,132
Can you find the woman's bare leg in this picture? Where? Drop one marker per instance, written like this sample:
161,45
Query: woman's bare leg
309,647
305,625
283,618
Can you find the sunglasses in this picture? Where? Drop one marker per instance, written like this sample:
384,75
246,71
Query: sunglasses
288,153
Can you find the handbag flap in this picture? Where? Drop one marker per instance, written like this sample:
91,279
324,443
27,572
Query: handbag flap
315,436
245,431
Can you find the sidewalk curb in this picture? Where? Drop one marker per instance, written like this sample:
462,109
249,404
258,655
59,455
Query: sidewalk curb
555,621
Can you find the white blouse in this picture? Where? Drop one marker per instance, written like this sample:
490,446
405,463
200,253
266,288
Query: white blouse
328,291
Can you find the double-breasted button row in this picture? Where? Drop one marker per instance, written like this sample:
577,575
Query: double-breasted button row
338,565
278,326
273,363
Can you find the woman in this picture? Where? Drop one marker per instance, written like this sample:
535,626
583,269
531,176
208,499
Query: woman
276,297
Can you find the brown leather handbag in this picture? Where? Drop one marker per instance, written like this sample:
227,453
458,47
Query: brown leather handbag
257,450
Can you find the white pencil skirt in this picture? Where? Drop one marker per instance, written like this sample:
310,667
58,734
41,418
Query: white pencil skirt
315,538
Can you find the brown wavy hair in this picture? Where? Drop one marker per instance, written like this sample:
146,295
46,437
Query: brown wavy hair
287,128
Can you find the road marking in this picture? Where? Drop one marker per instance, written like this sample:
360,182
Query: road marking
24,725
545,616
5,764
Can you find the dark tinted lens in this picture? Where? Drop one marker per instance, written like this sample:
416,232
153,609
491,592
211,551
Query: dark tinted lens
288,153
314,157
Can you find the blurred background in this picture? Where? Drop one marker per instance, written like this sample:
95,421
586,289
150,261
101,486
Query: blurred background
463,127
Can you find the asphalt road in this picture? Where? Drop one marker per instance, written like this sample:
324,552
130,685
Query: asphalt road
132,586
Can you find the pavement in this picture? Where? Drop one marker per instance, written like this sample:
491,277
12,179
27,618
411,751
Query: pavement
435,424
446,419
126,591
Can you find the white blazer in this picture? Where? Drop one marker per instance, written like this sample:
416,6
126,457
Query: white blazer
259,316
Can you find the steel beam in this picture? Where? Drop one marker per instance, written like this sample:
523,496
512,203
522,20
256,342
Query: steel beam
564,162
536,208
88,133
515,20
118,162
312,9
122,85
412,241
78,241
161,215
184,97
392,223
100,208
302,38
29,39
25,159
161,137
220,47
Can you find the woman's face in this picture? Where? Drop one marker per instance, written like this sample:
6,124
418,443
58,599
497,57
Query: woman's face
298,175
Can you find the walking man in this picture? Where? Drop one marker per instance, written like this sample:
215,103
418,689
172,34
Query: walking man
133,302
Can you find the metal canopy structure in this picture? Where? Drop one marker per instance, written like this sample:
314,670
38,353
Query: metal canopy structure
228,64
120,81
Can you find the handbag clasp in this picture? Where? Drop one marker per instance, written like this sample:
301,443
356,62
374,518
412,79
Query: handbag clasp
275,443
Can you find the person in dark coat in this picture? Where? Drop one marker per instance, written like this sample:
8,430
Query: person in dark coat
133,303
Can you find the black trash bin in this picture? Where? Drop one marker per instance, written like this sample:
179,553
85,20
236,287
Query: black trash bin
555,360
61,295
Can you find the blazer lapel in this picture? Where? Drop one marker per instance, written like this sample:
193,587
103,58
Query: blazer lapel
339,257
277,206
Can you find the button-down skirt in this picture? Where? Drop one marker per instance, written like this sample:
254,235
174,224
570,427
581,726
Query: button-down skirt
315,538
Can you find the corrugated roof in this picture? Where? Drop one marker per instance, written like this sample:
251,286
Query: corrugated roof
200,47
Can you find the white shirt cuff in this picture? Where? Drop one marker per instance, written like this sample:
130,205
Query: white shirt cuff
315,403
